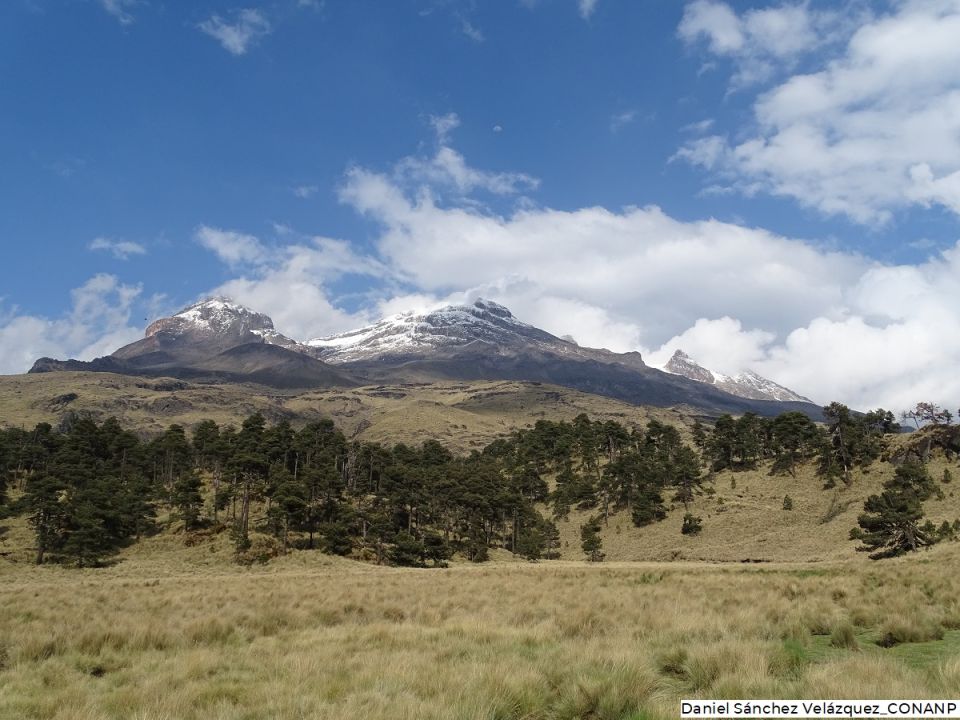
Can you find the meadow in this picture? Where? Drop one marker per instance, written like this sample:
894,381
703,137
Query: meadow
765,602
177,632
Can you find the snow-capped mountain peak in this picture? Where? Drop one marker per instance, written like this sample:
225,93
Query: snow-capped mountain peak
746,384
215,315
220,319
483,321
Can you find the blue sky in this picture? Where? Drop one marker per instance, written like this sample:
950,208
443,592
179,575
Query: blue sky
768,185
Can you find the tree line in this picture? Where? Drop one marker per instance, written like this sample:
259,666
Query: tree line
89,489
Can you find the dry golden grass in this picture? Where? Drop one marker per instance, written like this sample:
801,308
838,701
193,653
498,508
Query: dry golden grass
463,416
177,632
744,519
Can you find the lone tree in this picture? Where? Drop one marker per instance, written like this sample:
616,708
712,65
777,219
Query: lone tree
929,413
890,525
590,540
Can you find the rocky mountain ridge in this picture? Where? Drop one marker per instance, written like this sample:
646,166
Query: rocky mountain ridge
745,384
482,324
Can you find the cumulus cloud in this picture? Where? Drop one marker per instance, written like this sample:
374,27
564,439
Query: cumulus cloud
97,324
831,325
247,28
874,130
446,170
721,344
828,324
120,249
638,257
231,247
290,281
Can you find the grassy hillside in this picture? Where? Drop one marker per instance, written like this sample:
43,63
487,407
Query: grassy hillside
742,512
744,519
461,415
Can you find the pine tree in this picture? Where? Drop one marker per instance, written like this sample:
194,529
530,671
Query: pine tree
43,499
591,541
187,498
407,550
890,525
686,478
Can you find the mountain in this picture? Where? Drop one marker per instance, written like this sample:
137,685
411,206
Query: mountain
484,341
218,340
746,384
483,326
214,340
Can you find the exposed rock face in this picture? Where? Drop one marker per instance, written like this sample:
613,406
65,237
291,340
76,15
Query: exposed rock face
681,364
746,384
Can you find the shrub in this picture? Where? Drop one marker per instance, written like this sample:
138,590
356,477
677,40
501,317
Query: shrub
692,525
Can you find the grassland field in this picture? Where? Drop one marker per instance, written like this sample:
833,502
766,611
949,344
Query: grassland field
764,603
174,632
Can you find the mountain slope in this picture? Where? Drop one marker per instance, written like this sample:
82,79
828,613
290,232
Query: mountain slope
746,384
484,341
214,340
484,326
220,341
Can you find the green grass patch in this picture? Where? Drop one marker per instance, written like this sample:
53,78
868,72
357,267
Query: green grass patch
917,655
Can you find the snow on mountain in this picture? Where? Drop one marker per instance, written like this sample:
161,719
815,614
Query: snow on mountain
220,316
448,327
746,384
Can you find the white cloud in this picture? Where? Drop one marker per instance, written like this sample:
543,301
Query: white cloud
830,325
447,170
875,130
716,22
443,125
471,31
232,247
120,249
120,9
248,27
700,127
760,40
720,344
586,8
289,281
305,191
98,323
